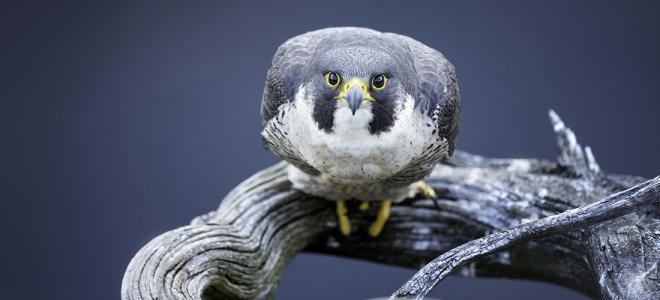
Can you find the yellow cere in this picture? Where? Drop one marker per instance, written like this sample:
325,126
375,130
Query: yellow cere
355,82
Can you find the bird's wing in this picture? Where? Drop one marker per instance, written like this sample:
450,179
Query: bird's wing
439,98
438,95
282,80
285,74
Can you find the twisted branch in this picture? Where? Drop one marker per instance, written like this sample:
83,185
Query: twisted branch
525,213
611,207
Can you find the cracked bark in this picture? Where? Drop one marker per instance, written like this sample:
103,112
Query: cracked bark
492,217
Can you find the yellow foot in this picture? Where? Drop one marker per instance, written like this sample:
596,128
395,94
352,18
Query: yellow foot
342,218
426,190
364,205
383,214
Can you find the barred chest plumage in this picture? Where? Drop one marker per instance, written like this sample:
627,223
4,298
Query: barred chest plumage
350,162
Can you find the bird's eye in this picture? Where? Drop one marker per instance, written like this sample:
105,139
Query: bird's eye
332,79
378,82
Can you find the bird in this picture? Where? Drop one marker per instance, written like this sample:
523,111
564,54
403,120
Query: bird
361,115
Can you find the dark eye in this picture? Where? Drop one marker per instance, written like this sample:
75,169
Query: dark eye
332,79
378,82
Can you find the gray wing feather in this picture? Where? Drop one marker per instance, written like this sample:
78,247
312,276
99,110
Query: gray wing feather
282,79
438,88
439,98
285,74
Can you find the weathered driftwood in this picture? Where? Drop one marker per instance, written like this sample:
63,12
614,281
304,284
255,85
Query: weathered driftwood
500,214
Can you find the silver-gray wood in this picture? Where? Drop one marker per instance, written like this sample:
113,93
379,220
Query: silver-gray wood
564,222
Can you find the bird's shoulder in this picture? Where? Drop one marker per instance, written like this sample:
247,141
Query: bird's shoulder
438,95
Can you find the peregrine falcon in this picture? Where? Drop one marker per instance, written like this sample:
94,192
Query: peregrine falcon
360,114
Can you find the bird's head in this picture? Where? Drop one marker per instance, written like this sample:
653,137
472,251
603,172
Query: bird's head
368,79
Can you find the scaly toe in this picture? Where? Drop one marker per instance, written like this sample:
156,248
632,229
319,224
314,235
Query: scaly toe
383,214
375,229
342,218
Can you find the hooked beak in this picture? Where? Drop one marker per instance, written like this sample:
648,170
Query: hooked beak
354,98
355,92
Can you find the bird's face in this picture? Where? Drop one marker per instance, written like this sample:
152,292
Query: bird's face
366,81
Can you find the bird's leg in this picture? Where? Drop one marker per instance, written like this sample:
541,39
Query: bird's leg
342,218
364,205
383,214
426,190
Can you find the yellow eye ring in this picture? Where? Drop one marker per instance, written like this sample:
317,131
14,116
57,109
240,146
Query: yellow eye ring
379,82
332,79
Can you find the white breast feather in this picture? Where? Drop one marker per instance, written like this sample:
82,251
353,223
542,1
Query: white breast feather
350,154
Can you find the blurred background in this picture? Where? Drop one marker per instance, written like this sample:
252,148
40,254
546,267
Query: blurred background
123,119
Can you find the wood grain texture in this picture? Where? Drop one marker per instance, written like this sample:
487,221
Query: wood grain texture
501,211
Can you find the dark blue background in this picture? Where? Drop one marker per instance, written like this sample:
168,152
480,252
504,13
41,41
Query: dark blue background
125,119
